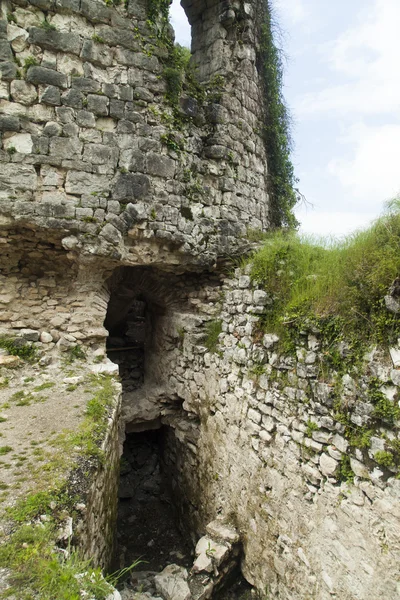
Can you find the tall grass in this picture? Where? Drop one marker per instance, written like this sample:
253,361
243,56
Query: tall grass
322,279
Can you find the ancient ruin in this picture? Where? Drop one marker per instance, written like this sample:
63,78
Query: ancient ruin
126,189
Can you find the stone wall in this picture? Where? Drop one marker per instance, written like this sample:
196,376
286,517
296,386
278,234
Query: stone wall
265,446
92,151
96,530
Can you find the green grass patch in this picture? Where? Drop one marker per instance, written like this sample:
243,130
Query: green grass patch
75,353
37,570
17,347
336,286
5,450
44,386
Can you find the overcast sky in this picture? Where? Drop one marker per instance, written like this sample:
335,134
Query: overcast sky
342,85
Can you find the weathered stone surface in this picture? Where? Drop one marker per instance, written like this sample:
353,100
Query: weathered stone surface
40,75
129,186
23,92
171,583
55,40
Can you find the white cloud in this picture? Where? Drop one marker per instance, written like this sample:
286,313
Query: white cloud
332,223
367,56
294,11
372,174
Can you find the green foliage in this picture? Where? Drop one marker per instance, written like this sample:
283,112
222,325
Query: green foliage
48,26
37,569
75,353
11,18
5,450
18,348
97,38
383,458
213,329
44,386
345,472
282,181
339,287
384,409
11,150
178,62
170,140
359,437
30,61
311,427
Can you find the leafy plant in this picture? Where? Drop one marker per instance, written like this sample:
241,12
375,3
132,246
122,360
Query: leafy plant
48,26
30,61
276,129
98,39
384,458
311,427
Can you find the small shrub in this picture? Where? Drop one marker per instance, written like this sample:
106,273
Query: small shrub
384,458
5,450
345,472
11,150
311,427
30,61
48,26
98,39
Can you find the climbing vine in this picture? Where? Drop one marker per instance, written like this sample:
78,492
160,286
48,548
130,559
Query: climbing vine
276,127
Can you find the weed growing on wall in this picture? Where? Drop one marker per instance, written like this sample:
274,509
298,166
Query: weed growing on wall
276,127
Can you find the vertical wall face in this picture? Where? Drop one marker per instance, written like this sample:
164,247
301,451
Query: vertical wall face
91,150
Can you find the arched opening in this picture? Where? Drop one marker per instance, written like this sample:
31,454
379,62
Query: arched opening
180,23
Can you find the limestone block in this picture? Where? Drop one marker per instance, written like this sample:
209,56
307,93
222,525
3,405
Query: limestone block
23,92
51,95
55,40
359,469
40,75
163,166
8,70
65,147
9,123
328,465
78,182
130,186
72,98
17,37
98,104
9,361
28,18
17,176
171,583
220,530
96,53
22,142
85,84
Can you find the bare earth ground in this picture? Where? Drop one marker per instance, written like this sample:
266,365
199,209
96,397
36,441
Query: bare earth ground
37,405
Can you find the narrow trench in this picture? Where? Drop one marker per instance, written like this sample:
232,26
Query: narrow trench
149,525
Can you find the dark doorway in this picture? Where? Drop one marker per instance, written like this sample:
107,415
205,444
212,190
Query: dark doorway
147,519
